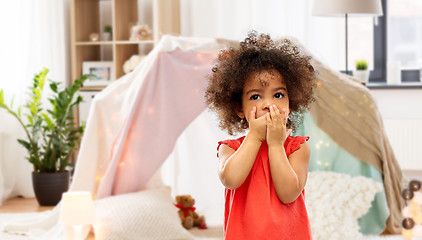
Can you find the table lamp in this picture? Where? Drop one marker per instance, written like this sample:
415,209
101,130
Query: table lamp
76,214
346,8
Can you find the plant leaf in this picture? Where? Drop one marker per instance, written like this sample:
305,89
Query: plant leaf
11,102
50,124
30,120
54,87
24,143
1,97
19,112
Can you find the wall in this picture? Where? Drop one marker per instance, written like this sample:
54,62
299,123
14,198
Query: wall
402,114
399,103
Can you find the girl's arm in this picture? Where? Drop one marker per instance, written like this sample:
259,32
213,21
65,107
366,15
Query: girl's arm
234,165
289,174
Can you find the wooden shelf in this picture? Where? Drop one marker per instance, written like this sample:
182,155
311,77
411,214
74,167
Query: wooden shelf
90,16
125,15
86,16
85,43
128,42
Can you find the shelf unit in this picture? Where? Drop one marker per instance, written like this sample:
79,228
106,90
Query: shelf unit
85,19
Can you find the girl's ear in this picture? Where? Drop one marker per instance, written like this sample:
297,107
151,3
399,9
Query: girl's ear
240,113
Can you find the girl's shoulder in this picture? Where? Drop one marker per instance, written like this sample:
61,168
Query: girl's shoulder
233,143
293,143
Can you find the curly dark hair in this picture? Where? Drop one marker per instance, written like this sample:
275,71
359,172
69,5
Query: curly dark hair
258,53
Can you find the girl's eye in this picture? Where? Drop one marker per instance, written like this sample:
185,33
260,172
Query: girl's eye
254,97
278,95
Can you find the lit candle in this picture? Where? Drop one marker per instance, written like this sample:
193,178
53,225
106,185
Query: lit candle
94,37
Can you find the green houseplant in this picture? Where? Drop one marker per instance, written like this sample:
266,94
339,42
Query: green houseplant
362,72
361,65
107,34
51,134
107,28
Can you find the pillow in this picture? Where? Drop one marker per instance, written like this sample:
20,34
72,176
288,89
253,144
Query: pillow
336,201
148,214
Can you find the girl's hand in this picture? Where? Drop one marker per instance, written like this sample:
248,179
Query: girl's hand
276,126
257,126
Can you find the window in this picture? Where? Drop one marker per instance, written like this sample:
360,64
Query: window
404,32
401,28
360,41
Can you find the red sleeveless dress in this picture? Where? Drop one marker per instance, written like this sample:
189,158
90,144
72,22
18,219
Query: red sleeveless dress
253,210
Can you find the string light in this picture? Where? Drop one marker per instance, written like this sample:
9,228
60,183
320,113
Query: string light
415,185
408,223
412,212
407,194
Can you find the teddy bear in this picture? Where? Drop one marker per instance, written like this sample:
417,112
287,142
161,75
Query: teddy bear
187,214
140,32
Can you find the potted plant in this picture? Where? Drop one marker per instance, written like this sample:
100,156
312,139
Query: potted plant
107,33
51,135
362,72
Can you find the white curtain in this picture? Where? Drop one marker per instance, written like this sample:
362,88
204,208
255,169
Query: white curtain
34,35
233,19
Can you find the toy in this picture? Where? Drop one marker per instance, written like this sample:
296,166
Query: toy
140,32
132,63
187,214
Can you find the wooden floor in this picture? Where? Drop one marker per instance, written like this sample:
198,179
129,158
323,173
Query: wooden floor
19,205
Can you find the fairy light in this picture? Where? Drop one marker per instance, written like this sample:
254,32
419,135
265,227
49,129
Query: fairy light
412,222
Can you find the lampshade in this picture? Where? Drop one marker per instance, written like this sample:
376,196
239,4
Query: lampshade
341,7
77,208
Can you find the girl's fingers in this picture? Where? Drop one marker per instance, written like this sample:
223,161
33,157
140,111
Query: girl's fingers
252,114
284,114
278,111
279,114
268,119
273,112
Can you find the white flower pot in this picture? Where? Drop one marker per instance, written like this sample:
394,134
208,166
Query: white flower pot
106,36
361,75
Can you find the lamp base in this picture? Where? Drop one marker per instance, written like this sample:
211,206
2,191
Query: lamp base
77,232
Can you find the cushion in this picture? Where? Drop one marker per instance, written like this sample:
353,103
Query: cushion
148,214
335,201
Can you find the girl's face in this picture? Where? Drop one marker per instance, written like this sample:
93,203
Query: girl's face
263,89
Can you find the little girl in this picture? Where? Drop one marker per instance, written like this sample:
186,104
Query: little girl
264,86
